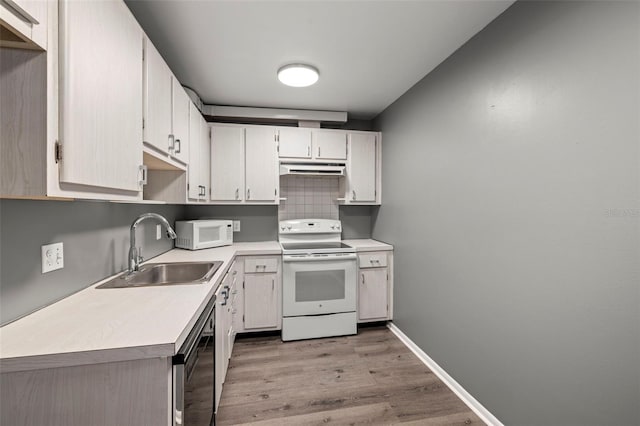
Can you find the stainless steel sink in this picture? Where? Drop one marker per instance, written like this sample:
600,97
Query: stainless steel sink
161,274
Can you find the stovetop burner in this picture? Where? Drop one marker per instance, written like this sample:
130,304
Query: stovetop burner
312,236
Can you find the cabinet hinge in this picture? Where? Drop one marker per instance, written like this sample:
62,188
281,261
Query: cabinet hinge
143,123
58,152
187,186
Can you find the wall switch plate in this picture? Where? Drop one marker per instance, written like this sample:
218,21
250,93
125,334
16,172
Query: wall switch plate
52,257
158,232
236,226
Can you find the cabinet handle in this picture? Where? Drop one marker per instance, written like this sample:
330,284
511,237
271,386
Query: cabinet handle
143,170
318,151
273,283
353,192
248,193
237,193
362,278
172,142
308,151
177,142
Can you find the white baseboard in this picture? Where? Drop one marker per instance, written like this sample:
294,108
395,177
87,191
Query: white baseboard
455,387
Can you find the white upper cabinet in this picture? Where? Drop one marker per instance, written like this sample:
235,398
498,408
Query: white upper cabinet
261,162
362,179
166,108
329,145
227,163
205,156
157,99
194,182
24,23
244,165
294,142
100,95
180,121
297,143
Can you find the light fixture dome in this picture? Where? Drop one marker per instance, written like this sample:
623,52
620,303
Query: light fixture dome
298,75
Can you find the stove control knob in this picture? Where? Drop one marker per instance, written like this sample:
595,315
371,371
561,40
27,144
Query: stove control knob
289,227
282,228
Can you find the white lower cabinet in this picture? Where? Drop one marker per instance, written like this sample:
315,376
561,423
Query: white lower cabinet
260,301
375,286
225,324
261,293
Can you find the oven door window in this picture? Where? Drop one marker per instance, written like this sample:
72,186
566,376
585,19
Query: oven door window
316,286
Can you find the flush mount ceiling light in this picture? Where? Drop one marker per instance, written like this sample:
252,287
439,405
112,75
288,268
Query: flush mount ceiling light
298,75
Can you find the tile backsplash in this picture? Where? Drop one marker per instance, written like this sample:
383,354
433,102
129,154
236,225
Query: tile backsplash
308,197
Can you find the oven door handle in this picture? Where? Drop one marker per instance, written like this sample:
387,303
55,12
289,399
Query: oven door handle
319,257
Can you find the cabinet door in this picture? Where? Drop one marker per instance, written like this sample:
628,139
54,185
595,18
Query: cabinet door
260,301
227,163
205,157
26,17
361,172
180,121
157,99
220,341
261,165
294,142
194,180
373,294
100,95
329,145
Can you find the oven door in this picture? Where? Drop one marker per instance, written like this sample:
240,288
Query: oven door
318,284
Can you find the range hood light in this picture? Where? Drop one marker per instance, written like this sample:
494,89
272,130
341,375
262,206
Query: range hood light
298,75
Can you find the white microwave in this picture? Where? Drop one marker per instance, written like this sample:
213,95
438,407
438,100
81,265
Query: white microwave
203,234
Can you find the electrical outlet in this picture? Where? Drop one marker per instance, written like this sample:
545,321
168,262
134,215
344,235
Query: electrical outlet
52,257
236,226
158,232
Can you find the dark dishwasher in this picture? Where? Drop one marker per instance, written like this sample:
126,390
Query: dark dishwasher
193,374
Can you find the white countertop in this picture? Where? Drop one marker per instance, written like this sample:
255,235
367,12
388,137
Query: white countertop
101,325
366,244
106,325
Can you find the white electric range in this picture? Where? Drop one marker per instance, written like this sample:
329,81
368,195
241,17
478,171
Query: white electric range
319,280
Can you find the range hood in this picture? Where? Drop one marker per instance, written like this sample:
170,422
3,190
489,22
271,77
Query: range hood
312,169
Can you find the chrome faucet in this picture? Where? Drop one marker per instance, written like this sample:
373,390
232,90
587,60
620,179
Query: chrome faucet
134,253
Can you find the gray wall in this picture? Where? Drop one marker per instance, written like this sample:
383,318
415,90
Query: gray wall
96,243
511,183
260,223
257,223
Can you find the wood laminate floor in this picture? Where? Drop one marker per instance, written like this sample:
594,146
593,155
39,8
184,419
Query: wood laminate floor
370,378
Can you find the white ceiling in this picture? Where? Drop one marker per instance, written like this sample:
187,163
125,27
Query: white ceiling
368,52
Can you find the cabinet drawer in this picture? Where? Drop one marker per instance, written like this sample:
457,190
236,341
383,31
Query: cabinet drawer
372,260
268,264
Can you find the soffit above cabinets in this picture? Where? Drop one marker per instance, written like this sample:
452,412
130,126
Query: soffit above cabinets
368,52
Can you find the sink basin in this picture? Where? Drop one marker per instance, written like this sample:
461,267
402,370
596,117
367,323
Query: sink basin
161,274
